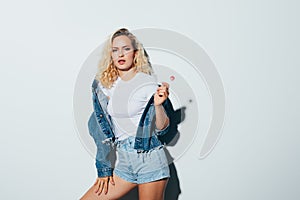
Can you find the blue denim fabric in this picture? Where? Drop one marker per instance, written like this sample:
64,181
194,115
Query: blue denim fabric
101,129
135,167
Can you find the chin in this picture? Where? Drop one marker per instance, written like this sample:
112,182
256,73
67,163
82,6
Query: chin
124,67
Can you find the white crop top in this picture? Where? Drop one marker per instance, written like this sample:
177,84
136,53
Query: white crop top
127,100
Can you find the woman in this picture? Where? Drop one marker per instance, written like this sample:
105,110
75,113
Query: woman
130,113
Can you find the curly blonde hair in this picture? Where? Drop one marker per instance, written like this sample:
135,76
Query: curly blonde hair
107,72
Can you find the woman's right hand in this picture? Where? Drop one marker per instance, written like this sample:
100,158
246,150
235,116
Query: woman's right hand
101,184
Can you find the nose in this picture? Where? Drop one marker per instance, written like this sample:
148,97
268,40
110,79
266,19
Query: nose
121,53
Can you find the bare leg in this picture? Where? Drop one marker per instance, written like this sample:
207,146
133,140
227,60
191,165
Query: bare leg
116,191
153,190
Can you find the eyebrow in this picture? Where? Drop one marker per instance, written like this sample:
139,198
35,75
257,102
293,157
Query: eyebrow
122,46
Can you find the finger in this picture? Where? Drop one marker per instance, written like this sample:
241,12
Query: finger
162,92
97,186
112,180
166,84
100,187
105,187
159,90
162,87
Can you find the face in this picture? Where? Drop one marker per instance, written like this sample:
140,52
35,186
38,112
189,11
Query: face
122,53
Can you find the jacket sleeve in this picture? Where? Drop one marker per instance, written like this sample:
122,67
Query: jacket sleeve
103,155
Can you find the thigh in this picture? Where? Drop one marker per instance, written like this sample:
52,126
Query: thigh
152,190
116,191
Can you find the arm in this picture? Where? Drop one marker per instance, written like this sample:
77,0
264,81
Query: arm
162,93
96,126
162,120
103,163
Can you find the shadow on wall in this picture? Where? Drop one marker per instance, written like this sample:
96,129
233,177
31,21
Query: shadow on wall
173,190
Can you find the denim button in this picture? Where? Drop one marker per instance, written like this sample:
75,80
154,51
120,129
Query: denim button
101,115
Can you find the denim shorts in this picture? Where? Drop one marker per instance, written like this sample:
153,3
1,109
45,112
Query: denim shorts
140,167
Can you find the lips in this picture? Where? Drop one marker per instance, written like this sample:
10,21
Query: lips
121,61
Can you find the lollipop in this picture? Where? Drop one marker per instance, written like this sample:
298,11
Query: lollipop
172,78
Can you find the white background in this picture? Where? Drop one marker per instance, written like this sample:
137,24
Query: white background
254,44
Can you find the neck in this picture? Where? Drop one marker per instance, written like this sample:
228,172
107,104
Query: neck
127,75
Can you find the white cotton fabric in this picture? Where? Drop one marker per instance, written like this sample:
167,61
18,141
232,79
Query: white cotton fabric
127,100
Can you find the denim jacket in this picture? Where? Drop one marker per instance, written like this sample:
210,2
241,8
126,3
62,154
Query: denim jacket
101,129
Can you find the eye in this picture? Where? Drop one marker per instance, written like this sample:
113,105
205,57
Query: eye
127,49
114,50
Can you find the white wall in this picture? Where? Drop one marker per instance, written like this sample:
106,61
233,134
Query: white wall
255,47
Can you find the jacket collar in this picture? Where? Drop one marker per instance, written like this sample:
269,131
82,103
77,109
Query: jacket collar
95,84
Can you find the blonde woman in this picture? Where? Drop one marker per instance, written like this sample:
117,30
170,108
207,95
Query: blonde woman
131,111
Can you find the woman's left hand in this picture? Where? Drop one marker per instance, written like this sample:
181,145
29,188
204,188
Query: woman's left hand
161,94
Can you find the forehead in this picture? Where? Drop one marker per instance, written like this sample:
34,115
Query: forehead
121,41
